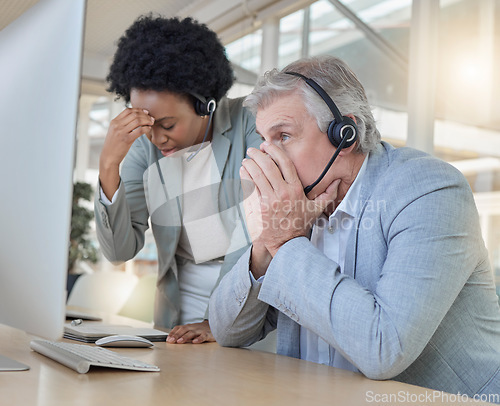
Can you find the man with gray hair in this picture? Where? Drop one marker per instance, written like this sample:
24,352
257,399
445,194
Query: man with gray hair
364,256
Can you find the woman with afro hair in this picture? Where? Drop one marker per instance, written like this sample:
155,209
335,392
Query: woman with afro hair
171,161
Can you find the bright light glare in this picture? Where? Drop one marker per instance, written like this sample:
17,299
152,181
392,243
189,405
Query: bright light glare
470,72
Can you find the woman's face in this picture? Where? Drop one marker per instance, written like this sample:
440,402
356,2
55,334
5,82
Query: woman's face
177,126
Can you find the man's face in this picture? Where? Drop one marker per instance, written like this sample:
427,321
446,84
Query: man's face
287,124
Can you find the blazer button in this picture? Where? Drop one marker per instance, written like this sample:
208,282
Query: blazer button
105,221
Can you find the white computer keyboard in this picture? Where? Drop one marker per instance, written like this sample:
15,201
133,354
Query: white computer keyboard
81,357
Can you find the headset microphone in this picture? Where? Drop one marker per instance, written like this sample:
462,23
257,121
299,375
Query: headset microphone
307,189
342,131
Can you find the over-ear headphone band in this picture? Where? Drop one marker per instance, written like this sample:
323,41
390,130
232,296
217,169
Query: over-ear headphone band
328,100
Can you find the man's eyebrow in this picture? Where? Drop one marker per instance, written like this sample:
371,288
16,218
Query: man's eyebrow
279,126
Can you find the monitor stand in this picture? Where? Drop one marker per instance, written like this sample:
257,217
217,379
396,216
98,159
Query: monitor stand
8,364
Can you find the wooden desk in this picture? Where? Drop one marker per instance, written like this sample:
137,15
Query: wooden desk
203,374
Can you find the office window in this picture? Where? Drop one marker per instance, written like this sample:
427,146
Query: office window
99,118
245,51
467,112
494,239
327,28
291,38
331,32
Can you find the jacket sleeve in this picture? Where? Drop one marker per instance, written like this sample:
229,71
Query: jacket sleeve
237,317
121,226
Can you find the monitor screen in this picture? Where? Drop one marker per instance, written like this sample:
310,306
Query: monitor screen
40,65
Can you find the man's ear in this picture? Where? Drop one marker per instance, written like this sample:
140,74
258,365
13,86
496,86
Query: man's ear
349,150
351,116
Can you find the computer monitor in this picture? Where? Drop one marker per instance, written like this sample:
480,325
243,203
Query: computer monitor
40,65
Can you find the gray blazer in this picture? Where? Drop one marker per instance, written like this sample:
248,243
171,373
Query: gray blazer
416,302
121,226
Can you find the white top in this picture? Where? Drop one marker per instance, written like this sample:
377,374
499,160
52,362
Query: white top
204,240
203,237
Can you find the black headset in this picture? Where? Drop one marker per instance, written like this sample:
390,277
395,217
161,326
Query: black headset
342,130
202,105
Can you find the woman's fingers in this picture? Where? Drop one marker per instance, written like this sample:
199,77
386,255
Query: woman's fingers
195,333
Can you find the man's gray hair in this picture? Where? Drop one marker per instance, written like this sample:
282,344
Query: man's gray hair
336,78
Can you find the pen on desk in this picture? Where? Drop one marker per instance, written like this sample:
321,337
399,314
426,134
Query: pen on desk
76,322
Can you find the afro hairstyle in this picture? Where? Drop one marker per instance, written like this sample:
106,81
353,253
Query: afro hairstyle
170,54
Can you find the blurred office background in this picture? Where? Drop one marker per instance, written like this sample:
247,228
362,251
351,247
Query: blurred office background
431,69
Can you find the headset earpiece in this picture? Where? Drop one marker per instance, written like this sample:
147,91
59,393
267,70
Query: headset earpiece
203,106
346,128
